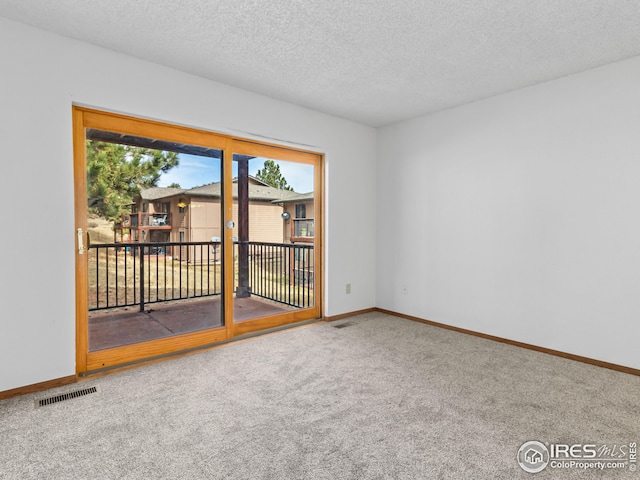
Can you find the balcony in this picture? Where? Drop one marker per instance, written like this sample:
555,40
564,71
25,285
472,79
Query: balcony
303,230
146,220
183,284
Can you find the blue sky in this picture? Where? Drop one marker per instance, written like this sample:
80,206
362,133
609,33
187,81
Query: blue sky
195,170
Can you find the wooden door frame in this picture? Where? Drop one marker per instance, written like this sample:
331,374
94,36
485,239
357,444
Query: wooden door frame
90,118
247,147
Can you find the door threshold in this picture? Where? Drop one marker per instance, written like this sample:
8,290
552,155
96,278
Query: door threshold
191,351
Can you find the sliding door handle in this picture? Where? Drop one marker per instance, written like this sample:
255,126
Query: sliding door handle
80,235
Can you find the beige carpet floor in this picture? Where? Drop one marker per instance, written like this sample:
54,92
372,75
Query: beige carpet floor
381,398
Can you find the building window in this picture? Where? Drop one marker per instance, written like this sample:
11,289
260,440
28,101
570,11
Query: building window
301,210
181,205
302,226
181,234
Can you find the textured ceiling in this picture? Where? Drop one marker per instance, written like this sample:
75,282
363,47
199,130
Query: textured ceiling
372,61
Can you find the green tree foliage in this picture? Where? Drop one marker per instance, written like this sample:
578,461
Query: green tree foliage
116,174
271,175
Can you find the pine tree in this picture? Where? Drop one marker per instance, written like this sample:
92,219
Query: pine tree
116,173
271,175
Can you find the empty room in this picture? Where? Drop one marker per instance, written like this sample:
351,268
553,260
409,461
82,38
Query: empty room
309,240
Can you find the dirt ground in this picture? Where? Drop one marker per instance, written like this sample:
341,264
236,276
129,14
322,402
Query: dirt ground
100,230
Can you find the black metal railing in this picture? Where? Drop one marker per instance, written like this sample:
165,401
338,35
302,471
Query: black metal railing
282,272
138,274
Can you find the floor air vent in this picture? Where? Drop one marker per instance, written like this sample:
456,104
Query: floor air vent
343,325
65,396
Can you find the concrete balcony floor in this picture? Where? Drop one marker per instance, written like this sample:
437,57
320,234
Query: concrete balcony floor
126,326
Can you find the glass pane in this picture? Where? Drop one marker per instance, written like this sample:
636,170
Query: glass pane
274,236
154,222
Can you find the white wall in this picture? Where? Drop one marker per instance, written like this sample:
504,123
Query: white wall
42,75
518,216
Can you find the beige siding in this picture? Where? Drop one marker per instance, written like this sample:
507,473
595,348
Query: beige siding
265,222
201,221
204,219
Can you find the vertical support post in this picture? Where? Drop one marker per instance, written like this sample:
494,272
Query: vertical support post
141,254
244,289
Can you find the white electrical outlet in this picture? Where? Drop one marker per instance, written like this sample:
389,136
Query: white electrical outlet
348,288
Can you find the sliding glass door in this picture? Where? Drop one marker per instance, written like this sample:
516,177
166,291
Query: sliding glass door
153,244
149,239
275,236
185,238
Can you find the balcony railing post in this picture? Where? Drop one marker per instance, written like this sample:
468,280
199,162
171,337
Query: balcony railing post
244,288
141,253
